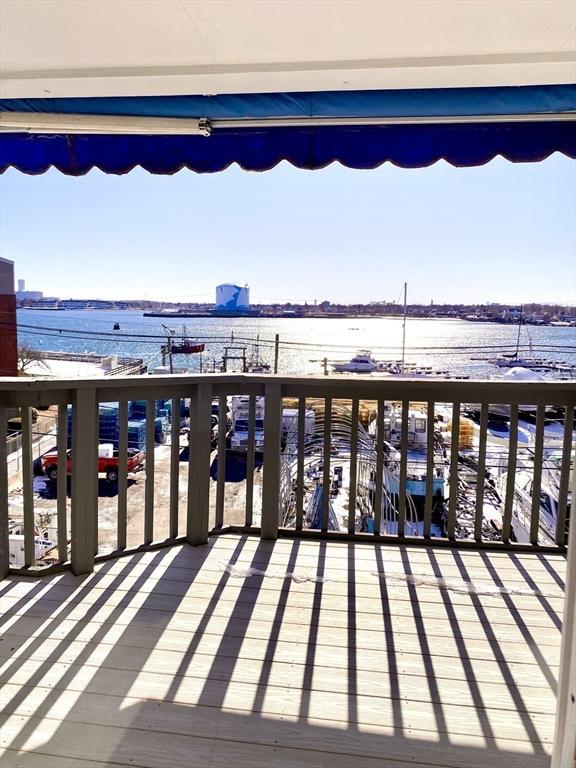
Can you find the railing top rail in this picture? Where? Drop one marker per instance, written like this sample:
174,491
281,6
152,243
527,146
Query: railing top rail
495,391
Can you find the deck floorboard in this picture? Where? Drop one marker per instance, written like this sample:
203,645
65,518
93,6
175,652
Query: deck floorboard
212,656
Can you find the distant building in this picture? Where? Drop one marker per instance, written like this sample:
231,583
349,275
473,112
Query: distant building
23,295
8,337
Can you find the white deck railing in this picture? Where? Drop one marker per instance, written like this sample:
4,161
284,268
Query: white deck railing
284,484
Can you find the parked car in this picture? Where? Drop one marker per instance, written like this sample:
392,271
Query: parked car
107,465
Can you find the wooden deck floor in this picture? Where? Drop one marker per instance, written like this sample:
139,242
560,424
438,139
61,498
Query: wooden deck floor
168,659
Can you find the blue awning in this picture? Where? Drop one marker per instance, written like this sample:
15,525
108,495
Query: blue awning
308,147
430,102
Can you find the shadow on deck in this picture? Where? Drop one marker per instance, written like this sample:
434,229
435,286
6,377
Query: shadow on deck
186,657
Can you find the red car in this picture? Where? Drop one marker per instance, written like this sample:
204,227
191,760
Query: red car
106,466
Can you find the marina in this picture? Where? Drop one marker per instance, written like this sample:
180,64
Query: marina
316,474
448,346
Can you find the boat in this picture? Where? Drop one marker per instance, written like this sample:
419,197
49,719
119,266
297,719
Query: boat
549,504
255,364
416,472
363,362
187,347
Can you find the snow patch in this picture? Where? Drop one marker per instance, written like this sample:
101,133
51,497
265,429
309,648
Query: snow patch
244,572
460,586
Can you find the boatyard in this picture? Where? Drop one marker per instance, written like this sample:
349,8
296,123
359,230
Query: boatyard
344,467
288,384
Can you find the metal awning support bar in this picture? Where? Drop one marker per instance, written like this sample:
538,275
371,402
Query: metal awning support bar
304,122
44,122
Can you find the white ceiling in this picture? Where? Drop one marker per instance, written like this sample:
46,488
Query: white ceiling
51,48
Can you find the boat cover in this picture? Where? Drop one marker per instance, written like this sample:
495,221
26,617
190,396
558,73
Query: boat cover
309,147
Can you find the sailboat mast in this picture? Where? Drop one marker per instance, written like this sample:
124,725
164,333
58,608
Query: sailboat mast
519,329
404,328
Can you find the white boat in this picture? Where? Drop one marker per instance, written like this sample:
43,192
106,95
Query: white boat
363,362
522,505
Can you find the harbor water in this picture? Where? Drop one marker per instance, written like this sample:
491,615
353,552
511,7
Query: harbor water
442,344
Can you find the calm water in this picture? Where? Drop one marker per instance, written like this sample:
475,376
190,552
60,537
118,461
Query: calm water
442,344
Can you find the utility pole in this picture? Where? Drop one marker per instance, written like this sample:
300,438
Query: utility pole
404,329
276,352
167,349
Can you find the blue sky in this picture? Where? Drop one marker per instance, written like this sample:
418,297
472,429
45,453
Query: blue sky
501,232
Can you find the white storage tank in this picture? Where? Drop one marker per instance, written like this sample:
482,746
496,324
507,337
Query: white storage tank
232,297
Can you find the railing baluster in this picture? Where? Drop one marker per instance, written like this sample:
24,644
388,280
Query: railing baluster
27,490
174,468
149,488
511,476
62,482
537,477
84,480
221,464
271,470
430,471
454,448
122,474
300,463
379,478
326,463
403,468
481,472
567,446
249,517
199,465
353,466
4,540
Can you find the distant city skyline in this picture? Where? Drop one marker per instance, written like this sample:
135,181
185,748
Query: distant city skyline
498,233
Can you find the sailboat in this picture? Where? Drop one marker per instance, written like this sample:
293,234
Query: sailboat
512,360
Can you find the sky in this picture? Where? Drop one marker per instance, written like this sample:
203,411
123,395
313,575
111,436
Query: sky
501,232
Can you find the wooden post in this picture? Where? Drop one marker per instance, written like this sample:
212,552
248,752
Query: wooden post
429,469
271,471
149,487
276,352
537,476
249,458
379,477
300,449
221,464
62,483
403,474
174,467
84,480
511,476
454,449
27,489
326,479
122,474
481,473
199,465
353,466
4,544
564,749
